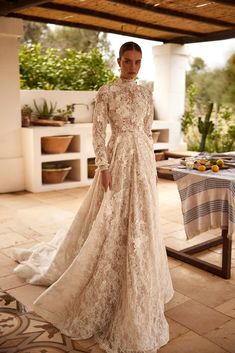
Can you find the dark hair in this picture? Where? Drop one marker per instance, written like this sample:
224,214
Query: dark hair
129,46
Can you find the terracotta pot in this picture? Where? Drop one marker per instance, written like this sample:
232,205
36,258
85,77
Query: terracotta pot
25,121
55,176
91,170
55,144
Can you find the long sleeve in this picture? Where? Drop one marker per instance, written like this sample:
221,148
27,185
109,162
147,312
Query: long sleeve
148,121
100,118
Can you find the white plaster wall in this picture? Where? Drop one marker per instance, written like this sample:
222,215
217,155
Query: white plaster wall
11,160
169,88
62,98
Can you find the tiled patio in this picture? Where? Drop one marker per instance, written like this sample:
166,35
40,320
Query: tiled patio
201,315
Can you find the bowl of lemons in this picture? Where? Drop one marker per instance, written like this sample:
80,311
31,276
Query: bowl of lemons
205,164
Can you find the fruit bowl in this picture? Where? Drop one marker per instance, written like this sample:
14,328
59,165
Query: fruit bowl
203,164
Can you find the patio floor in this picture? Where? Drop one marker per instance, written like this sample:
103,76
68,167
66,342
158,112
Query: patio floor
201,315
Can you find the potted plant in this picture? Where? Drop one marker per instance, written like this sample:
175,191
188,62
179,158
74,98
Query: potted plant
54,172
65,114
45,110
26,112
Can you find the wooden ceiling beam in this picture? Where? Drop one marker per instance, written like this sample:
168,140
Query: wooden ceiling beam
220,35
115,18
225,2
9,6
172,13
85,26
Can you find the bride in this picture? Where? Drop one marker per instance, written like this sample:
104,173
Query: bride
108,276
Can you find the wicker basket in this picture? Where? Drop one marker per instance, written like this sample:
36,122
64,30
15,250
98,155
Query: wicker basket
91,170
55,144
54,176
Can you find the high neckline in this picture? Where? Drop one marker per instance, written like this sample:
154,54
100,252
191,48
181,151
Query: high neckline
126,81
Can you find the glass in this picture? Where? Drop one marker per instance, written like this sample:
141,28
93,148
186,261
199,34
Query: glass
189,162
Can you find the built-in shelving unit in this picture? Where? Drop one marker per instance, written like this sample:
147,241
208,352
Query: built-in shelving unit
163,139
77,155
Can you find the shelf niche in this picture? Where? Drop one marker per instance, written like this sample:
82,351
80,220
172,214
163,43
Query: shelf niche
74,145
73,175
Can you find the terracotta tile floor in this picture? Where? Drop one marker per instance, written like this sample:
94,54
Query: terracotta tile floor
201,315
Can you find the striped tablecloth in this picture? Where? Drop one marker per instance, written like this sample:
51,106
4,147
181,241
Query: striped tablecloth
208,199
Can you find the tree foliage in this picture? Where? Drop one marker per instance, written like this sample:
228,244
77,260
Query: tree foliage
62,38
229,95
220,137
42,68
33,32
216,86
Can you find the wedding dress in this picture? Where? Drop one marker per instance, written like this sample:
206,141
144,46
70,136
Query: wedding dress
108,276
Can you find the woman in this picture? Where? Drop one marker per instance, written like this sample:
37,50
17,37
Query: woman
108,276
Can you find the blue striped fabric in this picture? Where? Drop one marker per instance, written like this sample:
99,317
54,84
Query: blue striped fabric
207,201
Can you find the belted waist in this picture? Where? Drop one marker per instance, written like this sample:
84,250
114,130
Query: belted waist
120,132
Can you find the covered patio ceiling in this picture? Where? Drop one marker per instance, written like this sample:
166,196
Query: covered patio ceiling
174,21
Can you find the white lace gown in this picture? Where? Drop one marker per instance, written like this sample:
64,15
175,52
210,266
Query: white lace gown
108,276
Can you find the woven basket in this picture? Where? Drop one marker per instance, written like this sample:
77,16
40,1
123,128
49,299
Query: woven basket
55,176
55,144
91,170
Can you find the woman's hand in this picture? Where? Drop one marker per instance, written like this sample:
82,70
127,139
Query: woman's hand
106,179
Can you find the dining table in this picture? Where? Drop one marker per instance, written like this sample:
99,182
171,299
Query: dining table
207,202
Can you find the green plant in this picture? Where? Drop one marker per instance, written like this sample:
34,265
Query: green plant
219,139
45,110
64,114
26,110
42,68
189,115
205,127
222,138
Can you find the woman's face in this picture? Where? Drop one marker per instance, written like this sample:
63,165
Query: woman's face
129,64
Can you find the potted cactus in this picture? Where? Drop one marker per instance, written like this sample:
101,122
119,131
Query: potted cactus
45,110
205,127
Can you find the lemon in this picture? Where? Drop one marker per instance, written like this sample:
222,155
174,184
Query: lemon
202,161
220,162
201,168
215,168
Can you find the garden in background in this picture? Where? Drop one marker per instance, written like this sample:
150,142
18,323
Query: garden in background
82,60
209,120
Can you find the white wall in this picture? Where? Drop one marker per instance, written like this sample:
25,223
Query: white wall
169,87
11,161
62,98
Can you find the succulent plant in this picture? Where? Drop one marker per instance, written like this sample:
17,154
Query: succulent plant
45,110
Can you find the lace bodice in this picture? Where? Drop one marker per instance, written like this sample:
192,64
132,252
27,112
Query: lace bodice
128,107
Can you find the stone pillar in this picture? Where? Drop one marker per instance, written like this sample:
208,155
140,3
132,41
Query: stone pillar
11,160
169,88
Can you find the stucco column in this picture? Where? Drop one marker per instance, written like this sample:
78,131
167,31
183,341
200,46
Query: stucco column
11,161
169,88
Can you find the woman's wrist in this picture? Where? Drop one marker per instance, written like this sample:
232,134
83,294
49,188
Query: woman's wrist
104,171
